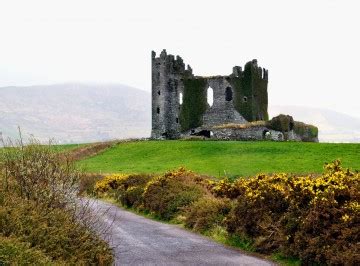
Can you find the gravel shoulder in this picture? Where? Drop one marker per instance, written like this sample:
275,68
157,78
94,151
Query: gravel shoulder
140,241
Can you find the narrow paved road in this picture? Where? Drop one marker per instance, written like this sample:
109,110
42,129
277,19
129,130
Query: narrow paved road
140,241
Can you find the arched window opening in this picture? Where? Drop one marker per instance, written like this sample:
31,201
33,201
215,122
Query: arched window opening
210,96
158,110
181,98
177,120
245,99
158,92
228,94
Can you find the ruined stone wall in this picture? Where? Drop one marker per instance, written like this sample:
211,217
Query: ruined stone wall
222,111
238,98
254,133
259,133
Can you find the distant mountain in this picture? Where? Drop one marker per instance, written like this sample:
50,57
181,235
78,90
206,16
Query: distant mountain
75,112
333,126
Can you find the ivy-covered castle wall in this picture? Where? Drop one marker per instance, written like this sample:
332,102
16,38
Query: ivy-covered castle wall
180,104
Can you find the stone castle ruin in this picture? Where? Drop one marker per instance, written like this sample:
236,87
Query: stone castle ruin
233,107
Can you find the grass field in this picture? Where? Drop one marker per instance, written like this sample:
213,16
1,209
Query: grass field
220,158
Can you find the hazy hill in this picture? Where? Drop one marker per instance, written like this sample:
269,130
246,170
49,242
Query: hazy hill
75,112
333,126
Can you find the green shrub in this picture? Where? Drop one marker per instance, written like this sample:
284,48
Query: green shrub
166,195
15,252
206,213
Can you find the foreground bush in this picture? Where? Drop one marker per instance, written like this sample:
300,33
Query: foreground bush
39,207
38,173
15,252
54,231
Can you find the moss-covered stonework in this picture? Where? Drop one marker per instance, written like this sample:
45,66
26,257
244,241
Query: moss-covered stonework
251,98
194,103
242,88
307,132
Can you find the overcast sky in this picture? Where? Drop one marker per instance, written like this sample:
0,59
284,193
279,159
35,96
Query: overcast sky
311,47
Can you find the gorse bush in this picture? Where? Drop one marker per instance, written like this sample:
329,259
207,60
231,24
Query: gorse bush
313,218
108,183
166,195
127,189
206,213
131,190
39,207
163,196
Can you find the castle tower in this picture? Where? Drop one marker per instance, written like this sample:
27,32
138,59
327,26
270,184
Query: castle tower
167,75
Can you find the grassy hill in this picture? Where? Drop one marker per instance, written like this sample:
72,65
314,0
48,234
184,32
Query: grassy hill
219,158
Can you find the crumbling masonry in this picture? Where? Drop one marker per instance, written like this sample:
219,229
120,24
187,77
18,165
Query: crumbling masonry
180,104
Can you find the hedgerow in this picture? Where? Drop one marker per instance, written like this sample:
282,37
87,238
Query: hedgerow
313,218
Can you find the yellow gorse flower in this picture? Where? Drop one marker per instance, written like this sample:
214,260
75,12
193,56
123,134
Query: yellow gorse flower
109,182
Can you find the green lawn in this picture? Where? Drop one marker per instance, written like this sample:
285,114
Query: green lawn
219,158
